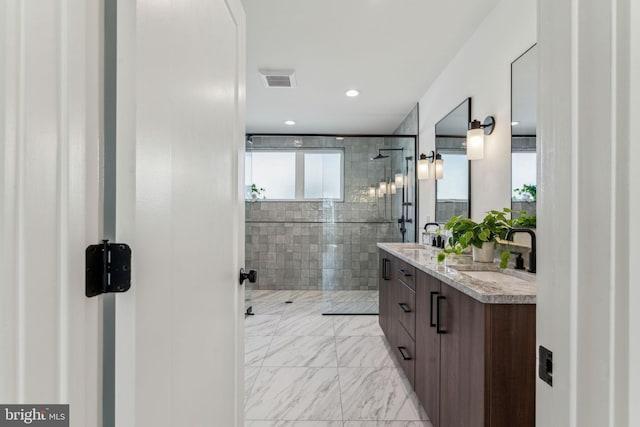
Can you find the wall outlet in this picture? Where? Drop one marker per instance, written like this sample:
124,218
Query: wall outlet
545,365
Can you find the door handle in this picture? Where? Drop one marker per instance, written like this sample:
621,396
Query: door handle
385,269
431,322
438,329
252,275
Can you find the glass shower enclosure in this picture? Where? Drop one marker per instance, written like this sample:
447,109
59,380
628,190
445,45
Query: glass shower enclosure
317,206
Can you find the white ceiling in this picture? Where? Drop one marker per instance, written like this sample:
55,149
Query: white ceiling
390,50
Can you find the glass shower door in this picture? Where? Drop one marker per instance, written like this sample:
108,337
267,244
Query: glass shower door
377,206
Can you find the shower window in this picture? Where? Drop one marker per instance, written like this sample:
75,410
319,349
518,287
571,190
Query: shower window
300,175
273,171
323,175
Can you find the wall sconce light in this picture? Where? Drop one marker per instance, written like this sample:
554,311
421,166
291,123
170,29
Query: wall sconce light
383,188
399,180
431,166
423,167
393,188
475,137
372,191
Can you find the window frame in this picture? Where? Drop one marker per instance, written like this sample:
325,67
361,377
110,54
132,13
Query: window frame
299,171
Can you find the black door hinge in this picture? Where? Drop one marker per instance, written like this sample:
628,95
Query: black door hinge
108,268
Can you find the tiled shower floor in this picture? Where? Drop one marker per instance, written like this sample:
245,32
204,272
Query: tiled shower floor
303,369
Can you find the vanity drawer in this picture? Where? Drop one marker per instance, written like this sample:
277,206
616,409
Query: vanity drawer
407,273
404,348
405,306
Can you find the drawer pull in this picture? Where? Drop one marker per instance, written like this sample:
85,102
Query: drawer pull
404,355
438,329
404,307
431,322
405,273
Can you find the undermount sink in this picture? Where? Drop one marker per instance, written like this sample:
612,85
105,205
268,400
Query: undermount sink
411,246
492,273
495,276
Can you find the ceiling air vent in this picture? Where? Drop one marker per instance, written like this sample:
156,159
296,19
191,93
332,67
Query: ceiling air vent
278,78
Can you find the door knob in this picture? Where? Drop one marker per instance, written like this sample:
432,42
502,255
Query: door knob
252,275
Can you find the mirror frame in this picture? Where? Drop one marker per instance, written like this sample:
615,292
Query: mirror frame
529,49
466,100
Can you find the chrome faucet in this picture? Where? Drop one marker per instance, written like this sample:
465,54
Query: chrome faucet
532,254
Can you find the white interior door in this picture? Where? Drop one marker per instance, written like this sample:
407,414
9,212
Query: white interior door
180,143
50,333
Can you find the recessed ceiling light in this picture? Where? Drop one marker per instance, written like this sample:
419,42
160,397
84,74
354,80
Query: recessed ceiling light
289,122
515,123
352,93
339,138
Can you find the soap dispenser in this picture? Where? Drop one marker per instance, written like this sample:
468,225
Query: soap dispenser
519,261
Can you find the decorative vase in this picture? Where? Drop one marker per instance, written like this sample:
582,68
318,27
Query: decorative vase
484,254
254,197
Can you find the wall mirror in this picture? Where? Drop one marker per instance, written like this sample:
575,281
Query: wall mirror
453,191
524,88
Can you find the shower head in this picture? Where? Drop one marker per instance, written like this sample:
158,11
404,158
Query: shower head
379,156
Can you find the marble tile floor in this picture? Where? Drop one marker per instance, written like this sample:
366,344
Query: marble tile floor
303,369
333,302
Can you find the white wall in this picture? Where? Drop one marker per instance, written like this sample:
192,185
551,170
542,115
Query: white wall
587,298
50,127
634,228
482,71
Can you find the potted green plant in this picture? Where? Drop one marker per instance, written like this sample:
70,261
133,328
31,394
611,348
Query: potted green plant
481,237
524,221
527,192
527,221
256,192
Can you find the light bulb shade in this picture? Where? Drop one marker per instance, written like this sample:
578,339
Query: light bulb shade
393,188
399,180
383,187
372,191
475,144
438,169
423,169
432,171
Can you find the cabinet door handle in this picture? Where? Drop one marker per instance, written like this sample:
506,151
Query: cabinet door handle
402,352
405,272
404,307
438,329
431,322
385,268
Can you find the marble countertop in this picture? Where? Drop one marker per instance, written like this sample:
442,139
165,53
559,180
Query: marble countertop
512,287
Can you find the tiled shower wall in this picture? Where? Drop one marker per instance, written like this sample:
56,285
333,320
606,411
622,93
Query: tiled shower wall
329,245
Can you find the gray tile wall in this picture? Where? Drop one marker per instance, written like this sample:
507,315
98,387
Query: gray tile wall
327,245
445,209
528,207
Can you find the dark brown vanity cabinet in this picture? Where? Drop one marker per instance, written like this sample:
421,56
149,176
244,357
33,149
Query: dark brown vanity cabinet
397,308
387,266
428,346
472,364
